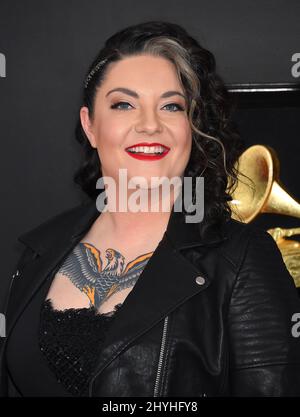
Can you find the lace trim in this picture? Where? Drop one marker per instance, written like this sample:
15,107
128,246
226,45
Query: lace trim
48,305
71,341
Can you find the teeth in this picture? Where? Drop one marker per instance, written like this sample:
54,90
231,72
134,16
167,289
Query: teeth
147,149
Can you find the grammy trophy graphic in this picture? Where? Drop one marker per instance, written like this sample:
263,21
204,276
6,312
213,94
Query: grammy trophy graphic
259,191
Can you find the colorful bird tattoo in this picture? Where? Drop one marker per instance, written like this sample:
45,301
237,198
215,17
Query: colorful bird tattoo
84,267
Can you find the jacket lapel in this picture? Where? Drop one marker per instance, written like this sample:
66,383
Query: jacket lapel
168,279
51,241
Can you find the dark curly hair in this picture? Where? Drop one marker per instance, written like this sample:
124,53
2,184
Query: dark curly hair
216,144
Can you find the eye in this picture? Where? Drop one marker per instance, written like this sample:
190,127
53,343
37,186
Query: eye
179,107
121,105
116,105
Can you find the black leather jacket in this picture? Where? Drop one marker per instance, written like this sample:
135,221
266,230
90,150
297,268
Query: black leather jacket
209,316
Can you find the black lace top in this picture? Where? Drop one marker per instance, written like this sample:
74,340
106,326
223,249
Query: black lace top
71,341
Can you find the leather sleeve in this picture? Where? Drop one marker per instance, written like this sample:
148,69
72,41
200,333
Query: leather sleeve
264,354
5,386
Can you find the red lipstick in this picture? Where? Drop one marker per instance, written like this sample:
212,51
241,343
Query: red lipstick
147,156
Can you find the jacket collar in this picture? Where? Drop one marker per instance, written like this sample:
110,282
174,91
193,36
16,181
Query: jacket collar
64,226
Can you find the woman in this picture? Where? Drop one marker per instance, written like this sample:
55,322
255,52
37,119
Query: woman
144,303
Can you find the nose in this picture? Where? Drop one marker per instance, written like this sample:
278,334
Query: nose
148,122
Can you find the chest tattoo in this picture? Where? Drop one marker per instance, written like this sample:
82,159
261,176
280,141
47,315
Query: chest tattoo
84,267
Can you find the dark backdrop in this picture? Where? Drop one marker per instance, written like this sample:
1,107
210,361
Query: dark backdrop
48,46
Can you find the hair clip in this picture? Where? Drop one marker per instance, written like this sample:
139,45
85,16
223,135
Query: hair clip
93,71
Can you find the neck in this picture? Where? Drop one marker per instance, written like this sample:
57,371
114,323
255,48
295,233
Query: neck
141,225
137,224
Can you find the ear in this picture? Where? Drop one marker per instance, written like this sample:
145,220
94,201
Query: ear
87,125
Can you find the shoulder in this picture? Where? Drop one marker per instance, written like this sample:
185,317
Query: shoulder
60,226
259,264
247,241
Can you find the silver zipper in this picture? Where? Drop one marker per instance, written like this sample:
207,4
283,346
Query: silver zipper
16,274
91,383
161,357
160,362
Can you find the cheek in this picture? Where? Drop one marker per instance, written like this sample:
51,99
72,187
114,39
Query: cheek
185,138
108,137
184,145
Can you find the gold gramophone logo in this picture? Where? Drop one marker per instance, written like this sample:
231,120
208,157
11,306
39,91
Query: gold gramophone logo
259,191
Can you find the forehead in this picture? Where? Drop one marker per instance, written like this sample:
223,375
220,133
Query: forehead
145,73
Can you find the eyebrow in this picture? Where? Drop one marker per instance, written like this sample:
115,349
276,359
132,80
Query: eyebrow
135,94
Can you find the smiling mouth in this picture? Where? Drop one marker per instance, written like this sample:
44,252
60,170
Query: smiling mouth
150,151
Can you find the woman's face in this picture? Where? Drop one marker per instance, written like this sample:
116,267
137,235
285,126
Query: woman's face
149,107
